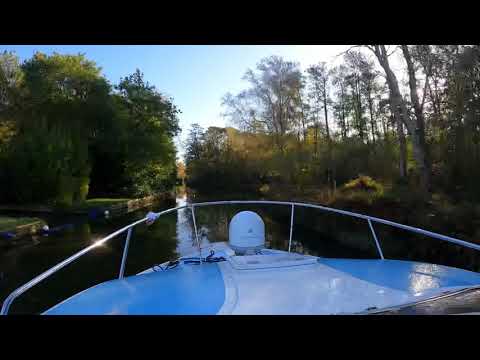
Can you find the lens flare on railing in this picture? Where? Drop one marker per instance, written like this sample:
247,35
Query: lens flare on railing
98,242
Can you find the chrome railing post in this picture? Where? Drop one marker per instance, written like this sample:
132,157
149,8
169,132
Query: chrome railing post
291,228
379,248
196,233
125,253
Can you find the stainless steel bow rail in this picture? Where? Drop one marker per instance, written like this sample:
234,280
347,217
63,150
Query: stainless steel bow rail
129,228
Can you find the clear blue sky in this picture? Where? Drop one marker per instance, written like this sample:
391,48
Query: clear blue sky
196,76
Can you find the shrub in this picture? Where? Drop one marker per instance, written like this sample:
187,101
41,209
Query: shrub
364,184
264,189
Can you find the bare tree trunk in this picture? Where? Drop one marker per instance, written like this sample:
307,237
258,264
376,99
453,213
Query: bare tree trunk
329,140
384,128
358,109
361,125
325,98
372,121
436,100
402,161
419,135
344,130
403,151
304,128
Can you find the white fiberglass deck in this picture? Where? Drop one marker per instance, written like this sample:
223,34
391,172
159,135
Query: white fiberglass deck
275,282
332,287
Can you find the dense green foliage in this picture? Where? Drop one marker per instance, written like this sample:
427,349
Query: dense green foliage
231,160
65,132
328,126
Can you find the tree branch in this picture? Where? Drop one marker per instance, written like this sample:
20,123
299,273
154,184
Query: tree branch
424,96
393,51
348,50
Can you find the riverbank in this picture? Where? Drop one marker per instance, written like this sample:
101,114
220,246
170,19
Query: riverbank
110,204
15,228
94,207
11,227
435,212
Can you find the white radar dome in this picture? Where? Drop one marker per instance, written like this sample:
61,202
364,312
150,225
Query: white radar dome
246,232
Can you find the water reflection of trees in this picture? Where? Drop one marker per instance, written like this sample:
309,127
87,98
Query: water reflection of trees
153,244
405,245
326,234
314,232
99,265
213,222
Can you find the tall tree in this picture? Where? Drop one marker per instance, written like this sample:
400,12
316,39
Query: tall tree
370,89
419,134
62,100
11,77
319,81
341,105
152,124
354,61
400,105
269,104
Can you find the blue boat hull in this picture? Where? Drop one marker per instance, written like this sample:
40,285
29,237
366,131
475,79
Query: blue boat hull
276,286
